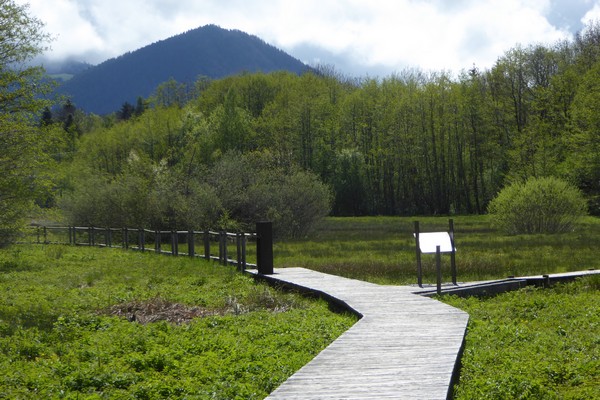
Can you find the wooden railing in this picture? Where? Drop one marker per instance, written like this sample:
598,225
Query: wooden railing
232,247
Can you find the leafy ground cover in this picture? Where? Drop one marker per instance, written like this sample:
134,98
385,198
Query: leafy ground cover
105,323
382,249
533,344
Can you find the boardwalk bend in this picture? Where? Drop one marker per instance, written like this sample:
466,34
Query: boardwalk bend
405,346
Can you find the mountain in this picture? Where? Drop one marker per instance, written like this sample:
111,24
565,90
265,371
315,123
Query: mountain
208,51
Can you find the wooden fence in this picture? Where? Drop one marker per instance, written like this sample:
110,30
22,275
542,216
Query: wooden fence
232,247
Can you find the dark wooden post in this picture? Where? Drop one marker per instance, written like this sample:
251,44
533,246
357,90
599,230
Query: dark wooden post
157,241
125,238
238,242
438,268
174,243
191,244
264,247
243,251
223,239
207,245
141,239
453,252
418,254
45,236
108,237
546,282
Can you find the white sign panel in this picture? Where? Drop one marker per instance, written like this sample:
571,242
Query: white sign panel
429,240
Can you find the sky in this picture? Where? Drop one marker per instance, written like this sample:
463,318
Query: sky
356,37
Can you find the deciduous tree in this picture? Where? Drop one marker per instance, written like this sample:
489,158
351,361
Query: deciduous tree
21,100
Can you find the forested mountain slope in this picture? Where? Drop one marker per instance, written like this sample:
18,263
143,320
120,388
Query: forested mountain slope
207,51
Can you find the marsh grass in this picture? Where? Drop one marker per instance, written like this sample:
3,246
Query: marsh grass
532,344
80,322
382,249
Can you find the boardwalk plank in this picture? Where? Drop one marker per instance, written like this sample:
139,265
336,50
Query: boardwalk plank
405,346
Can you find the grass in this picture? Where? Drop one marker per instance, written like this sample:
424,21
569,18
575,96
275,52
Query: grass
105,323
533,344
382,250
528,344
61,334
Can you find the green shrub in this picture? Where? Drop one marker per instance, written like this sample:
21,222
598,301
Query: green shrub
233,194
540,205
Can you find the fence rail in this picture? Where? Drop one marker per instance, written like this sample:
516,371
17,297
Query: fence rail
232,248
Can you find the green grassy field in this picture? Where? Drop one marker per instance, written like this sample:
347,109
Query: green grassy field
533,344
382,250
95,323
73,321
529,344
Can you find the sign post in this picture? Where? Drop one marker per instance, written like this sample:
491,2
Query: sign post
435,243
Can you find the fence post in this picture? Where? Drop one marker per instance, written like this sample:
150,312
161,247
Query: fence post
223,239
244,251
264,247
207,245
157,240
418,250
125,238
174,243
453,252
108,237
191,244
238,242
141,239
438,268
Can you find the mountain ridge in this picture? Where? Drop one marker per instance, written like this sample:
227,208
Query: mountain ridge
208,51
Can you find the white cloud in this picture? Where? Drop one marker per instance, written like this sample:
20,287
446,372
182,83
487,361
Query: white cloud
593,14
370,34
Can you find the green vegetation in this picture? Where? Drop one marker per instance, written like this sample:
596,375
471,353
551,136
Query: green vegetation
290,147
532,344
540,205
382,249
25,168
99,323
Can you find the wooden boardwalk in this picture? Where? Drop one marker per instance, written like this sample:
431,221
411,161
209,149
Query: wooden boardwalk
405,346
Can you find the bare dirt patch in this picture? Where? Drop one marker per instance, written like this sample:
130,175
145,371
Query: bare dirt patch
158,309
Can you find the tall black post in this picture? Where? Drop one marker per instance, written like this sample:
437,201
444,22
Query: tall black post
264,247
438,269
453,252
418,253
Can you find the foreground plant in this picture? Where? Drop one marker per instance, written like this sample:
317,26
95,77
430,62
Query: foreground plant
532,344
104,323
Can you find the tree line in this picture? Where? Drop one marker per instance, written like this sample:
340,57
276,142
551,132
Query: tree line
292,148
410,143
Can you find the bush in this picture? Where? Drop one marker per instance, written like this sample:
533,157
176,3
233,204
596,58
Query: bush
540,205
233,194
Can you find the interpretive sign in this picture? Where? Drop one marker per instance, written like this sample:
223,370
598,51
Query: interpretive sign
435,243
428,242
